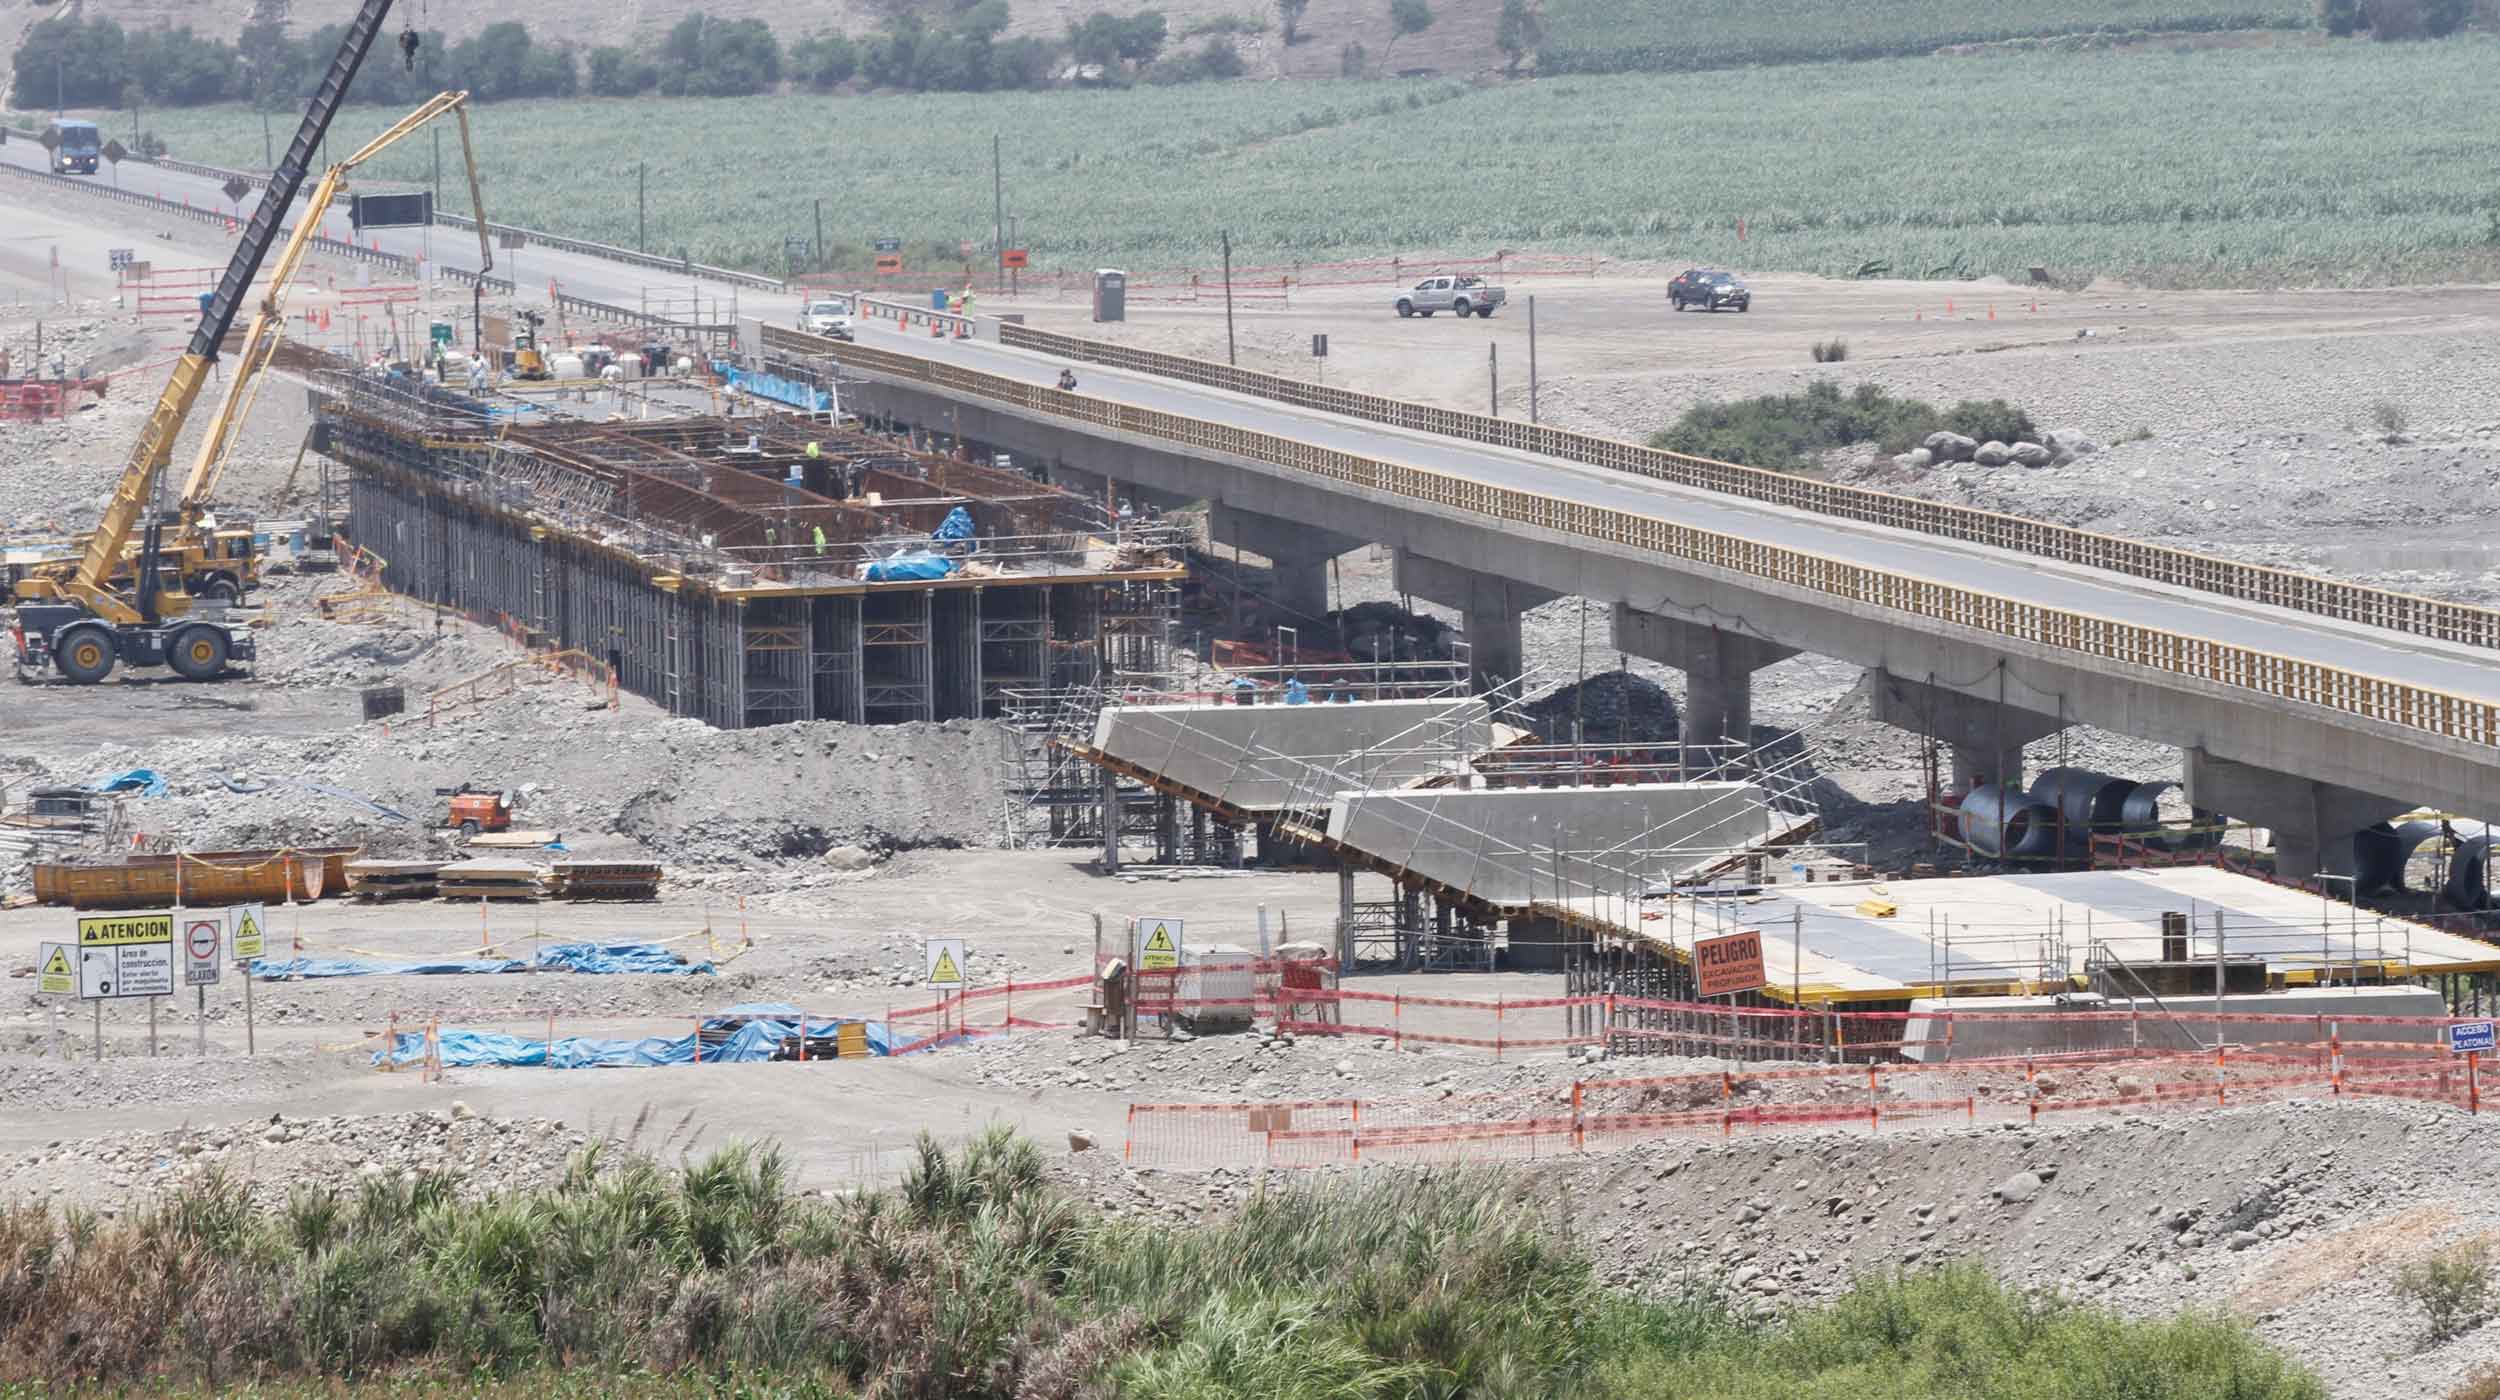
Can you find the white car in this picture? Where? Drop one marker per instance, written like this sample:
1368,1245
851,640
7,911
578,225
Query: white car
828,316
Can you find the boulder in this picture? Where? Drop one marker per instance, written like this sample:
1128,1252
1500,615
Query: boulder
1950,447
2018,1188
2068,443
1916,459
850,858
2031,454
1992,454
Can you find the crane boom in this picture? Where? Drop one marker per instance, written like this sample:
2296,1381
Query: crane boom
91,584
261,340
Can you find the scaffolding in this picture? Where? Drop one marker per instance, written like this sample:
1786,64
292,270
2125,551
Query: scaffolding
729,568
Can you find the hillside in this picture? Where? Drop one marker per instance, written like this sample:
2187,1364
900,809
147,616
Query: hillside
1459,41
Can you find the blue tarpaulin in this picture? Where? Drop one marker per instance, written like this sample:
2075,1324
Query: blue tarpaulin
143,781
909,564
956,526
561,957
751,1037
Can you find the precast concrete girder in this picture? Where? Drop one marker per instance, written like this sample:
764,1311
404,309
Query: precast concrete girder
2313,823
1983,738
1718,667
1297,553
1488,605
2109,692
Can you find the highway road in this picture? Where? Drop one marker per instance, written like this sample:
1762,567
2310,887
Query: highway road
531,268
2463,671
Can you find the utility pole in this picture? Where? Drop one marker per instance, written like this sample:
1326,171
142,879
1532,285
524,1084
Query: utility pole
998,207
1229,357
642,231
820,231
60,91
268,151
1493,361
1532,357
438,167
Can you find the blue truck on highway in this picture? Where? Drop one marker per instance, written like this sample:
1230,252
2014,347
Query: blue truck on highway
77,147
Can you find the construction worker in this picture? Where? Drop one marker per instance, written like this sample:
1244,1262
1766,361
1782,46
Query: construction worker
963,304
820,534
477,375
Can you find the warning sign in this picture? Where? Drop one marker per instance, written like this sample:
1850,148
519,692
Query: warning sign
202,941
116,930
946,962
54,976
243,930
1159,944
1722,966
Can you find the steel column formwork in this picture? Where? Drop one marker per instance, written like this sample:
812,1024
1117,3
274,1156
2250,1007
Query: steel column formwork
835,658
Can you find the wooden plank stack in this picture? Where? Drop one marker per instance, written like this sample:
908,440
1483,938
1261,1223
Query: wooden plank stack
488,879
392,879
606,879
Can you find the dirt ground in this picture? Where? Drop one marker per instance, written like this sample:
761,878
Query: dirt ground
810,863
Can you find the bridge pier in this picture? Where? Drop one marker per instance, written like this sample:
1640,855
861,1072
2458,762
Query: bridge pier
1718,667
1297,555
1489,606
1983,739
2313,823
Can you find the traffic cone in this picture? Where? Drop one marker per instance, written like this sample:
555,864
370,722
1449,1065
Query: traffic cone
1948,306
1992,311
1918,315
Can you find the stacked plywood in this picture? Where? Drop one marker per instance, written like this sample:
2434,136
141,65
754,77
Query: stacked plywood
488,879
392,879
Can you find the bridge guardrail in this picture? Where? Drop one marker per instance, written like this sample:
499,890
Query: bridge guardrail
533,236
2327,687
600,310
902,313
196,213
2257,583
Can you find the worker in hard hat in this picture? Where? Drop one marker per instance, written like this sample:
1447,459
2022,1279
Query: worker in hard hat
820,534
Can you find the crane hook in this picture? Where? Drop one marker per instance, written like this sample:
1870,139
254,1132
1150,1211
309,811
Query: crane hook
408,42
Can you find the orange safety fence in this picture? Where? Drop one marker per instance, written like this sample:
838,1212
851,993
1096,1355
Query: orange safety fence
1608,1113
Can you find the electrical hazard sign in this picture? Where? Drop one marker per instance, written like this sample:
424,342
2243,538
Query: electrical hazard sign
1158,944
946,962
243,930
54,973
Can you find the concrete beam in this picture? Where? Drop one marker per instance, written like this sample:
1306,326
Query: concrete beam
1983,739
2184,711
1718,667
1297,553
1488,605
2313,823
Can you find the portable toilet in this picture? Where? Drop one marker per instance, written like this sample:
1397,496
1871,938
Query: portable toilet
938,299
1110,294
1219,988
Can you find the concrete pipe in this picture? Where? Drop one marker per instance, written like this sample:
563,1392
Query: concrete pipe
2469,866
2087,800
2028,828
2380,853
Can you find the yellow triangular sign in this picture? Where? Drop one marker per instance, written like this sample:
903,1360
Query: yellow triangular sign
945,973
1159,941
59,966
248,934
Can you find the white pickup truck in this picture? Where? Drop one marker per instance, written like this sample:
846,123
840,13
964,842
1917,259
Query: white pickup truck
1459,294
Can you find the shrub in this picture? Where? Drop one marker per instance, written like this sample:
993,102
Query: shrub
1832,351
2395,19
615,72
2339,17
1289,14
1517,33
2390,416
2441,18
2481,1383
1351,61
2452,1286
824,60
1786,432
1992,421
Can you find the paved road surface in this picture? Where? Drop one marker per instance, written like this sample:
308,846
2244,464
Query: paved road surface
598,279
2369,651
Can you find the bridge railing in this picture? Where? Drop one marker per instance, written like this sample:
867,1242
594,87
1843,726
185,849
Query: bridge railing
2284,588
2417,708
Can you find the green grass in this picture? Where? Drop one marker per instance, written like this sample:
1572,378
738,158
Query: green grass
1787,432
2350,164
976,1280
1620,36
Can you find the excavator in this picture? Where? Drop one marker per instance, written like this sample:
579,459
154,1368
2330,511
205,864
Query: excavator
100,618
204,561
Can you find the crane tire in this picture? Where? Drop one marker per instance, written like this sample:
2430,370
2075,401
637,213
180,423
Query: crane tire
85,656
197,653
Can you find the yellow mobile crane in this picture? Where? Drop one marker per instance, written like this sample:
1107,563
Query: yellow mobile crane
94,626
218,563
